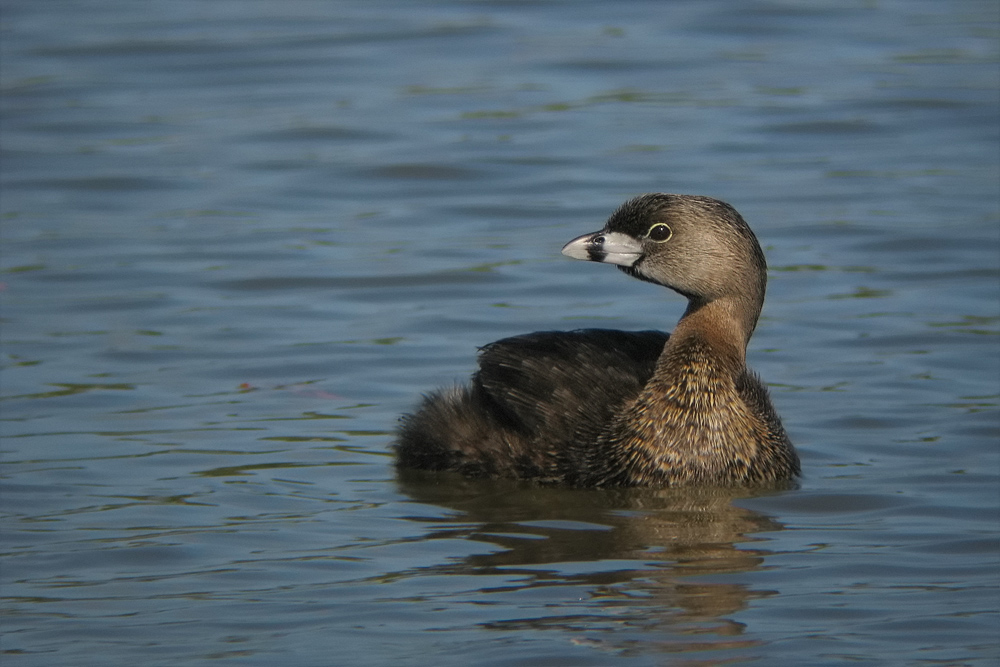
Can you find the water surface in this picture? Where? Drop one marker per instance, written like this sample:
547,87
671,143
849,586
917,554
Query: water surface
239,239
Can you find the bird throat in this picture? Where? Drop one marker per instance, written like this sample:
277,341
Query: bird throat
690,422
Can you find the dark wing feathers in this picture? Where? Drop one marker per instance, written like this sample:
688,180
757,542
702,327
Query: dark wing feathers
567,382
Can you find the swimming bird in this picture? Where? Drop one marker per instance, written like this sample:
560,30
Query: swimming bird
599,407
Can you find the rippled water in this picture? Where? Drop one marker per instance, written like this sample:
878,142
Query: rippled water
240,238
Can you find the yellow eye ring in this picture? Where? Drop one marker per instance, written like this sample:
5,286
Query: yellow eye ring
659,233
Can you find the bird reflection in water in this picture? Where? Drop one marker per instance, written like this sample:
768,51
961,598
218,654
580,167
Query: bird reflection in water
629,557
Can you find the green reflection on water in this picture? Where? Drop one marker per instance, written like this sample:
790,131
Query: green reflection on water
231,471
24,268
863,293
970,324
69,389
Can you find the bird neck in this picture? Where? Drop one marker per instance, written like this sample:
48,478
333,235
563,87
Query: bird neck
724,324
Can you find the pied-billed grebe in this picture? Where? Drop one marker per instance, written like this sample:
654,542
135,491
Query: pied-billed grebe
597,407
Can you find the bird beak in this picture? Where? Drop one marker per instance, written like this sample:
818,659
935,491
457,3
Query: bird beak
607,247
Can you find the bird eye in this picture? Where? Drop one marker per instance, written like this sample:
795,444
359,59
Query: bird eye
659,233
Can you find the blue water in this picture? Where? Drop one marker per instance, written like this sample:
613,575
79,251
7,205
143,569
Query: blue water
240,238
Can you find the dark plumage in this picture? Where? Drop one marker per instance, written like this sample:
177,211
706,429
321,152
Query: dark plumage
597,407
